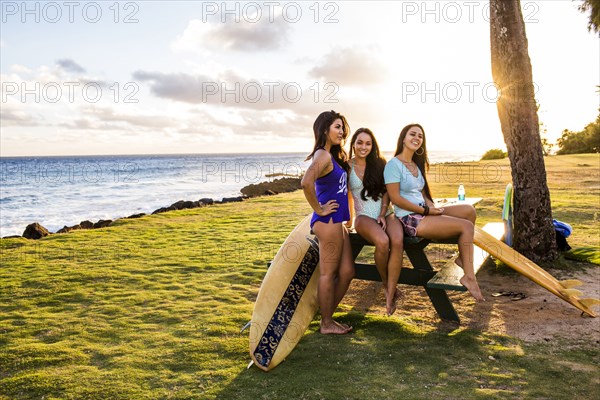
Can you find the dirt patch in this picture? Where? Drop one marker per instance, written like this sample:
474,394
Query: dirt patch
540,316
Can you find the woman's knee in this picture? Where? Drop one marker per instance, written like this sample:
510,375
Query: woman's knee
467,226
471,213
382,242
396,241
327,275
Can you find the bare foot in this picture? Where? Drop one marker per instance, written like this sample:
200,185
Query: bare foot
398,295
334,328
390,302
472,287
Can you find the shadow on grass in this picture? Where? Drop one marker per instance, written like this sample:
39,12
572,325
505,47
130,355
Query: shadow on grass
387,358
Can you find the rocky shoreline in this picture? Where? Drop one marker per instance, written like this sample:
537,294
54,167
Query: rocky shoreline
287,184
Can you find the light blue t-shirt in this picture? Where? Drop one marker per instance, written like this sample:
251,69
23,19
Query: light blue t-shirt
410,187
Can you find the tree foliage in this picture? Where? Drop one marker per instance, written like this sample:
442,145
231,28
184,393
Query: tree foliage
593,6
586,141
494,154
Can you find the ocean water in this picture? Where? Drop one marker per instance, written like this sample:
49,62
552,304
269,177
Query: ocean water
59,191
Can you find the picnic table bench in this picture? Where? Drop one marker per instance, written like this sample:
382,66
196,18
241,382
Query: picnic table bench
422,274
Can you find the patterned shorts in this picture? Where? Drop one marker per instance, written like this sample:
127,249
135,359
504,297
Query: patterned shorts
409,223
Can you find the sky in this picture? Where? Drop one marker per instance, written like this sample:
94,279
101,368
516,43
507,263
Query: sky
157,77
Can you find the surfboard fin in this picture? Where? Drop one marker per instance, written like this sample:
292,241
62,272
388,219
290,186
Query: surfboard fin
249,365
571,292
246,326
589,302
571,283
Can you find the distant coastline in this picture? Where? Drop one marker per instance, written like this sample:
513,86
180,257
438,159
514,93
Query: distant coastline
387,153
62,190
282,184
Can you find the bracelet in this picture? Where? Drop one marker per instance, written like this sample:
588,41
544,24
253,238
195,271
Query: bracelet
425,209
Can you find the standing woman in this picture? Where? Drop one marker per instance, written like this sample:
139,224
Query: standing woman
413,204
371,204
326,190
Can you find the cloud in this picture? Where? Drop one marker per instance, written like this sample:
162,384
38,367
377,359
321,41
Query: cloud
350,67
262,35
18,119
178,86
10,115
234,92
70,65
276,123
106,118
90,124
278,109
137,120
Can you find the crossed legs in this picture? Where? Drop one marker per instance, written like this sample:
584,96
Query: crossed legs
458,220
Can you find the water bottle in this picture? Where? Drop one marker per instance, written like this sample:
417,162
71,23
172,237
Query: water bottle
461,193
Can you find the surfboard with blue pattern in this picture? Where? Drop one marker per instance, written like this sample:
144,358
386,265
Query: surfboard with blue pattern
287,300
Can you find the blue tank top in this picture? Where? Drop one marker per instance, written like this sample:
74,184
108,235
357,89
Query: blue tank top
333,186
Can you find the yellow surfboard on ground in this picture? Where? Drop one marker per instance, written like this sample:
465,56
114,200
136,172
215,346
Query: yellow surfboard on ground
287,299
531,270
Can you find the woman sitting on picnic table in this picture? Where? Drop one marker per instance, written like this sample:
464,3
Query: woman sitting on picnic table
374,220
326,190
413,205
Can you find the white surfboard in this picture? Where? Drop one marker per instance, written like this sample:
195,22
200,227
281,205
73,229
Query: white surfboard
287,300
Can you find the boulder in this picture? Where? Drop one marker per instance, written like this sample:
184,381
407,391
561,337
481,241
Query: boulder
66,229
86,224
103,223
206,201
35,231
282,185
182,205
232,199
163,209
136,216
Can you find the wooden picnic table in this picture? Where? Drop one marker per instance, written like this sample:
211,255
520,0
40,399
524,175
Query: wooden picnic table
422,273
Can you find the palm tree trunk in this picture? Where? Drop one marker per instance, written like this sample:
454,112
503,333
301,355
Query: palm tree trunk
534,234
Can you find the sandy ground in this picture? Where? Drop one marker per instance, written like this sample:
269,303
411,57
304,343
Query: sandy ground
540,316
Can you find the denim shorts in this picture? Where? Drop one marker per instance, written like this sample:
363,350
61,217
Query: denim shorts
410,222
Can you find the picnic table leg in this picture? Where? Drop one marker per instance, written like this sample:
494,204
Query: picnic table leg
439,297
441,303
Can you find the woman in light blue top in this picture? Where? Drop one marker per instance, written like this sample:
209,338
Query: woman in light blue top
371,204
413,205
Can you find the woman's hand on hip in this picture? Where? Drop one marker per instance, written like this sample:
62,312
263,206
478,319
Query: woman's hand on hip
330,207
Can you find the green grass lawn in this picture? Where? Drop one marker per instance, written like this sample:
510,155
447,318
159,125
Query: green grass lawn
151,308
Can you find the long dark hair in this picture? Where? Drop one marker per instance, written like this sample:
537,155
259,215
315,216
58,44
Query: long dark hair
373,183
422,160
321,130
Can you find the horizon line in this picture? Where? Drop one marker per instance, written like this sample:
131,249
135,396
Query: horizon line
199,154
